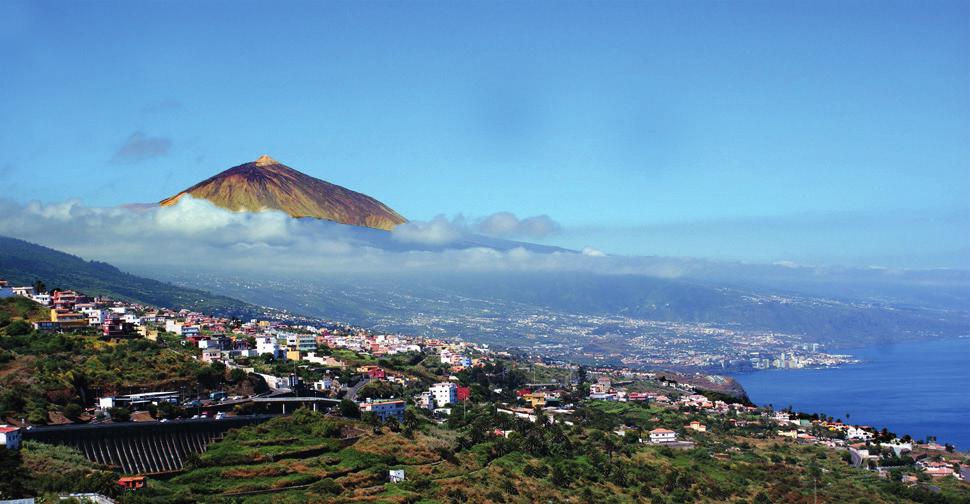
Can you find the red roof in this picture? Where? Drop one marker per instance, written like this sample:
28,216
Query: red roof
6,429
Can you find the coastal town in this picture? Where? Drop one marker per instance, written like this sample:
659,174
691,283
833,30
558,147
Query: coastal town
348,370
542,333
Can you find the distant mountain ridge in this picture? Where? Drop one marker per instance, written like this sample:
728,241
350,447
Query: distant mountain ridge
268,184
22,263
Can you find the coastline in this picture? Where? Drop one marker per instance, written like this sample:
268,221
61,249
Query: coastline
910,388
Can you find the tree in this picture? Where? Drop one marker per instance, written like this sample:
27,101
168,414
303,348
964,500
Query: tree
237,375
79,381
410,422
13,479
560,476
168,410
209,376
39,287
372,420
349,409
73,412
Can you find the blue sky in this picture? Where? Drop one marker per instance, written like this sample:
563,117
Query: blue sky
818,132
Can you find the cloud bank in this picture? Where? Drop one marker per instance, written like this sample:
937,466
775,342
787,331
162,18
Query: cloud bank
197,234
443,231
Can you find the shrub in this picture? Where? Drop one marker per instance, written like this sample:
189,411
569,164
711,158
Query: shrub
119,414
19,328
326,486
72,411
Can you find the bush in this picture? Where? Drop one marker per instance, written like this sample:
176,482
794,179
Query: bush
72,411
349,409
19,328
326,486
119,414
536,470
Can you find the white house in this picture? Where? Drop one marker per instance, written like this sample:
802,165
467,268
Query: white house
899,447
44,299
268,345
326,384
10,437
426,400
444,393
211,355
23,291
95,315
395,475
658,436
853,432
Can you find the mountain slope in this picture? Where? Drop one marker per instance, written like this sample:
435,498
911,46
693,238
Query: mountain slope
269,184
22,263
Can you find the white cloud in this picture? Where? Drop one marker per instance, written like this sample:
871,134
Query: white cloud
438,231
197,234
507,225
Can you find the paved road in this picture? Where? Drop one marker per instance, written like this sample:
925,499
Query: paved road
352,391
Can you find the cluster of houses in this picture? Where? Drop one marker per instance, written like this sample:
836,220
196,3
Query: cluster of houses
220,340
441,395
70,310
859,441
930,459
837,434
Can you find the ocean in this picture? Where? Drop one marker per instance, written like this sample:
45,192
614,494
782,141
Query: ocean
921,389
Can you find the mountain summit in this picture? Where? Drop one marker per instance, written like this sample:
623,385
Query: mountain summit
268,184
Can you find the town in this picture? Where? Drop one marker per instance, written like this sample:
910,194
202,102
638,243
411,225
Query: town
563,336
259,369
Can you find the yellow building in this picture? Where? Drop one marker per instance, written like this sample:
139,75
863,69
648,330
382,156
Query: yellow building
69,319
535,399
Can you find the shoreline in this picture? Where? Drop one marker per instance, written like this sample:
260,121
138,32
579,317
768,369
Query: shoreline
906,387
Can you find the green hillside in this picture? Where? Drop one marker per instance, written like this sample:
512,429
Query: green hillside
22,263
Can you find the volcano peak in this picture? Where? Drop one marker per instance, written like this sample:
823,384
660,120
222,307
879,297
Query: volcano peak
265,160
268,184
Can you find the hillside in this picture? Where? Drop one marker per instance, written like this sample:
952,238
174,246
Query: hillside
269,184
22,263
312,458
